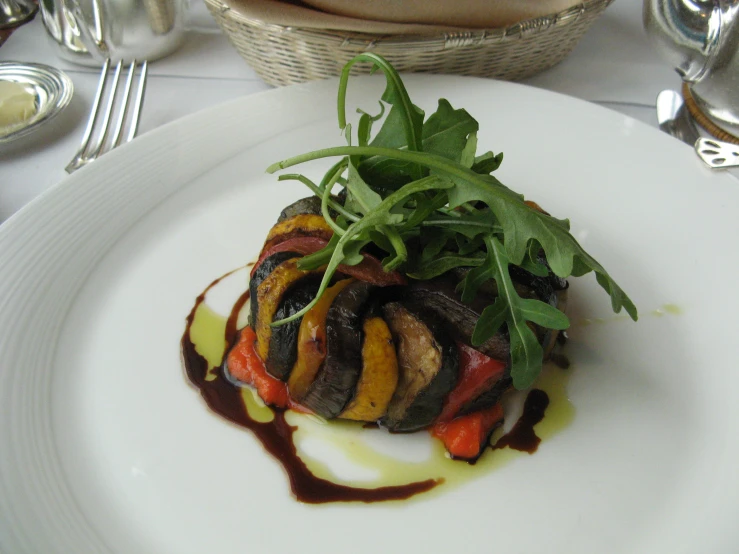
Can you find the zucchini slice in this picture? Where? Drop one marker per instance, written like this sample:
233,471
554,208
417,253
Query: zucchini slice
379,377
283,346
301,225
269,295
337,379
428,367
311,343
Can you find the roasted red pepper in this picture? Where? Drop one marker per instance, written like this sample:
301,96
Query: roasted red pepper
369,270
245,365
477,373
465,437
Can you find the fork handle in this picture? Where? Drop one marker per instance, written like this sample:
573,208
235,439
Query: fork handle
717,154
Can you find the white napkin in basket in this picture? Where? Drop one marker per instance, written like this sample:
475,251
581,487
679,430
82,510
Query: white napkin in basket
467,14
476,14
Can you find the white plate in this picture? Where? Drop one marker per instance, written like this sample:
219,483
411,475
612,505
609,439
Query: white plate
106,448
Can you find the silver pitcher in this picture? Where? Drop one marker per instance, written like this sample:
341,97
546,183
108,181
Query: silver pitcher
700,38
87,31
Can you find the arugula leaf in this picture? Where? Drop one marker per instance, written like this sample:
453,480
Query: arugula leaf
445,261
395,94
319,258
436,241
526,352
467,246
469,225
487,163
532,263
491,320
364,127
425,207
358,232
423,182
475,278
392,133
338,208
396,241
360,198
467,158
522,225
520,222
447,132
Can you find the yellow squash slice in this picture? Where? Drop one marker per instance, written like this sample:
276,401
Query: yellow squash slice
269,295
312,343
379,376
302,225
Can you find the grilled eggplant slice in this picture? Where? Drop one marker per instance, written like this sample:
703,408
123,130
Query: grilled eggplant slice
301,225
283,346
309,205
550,338
269,295
490,397
428,367
258,275
311,343
439,297
337,379
379,376
527,284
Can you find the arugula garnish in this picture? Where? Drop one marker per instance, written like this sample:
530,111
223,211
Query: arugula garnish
422,184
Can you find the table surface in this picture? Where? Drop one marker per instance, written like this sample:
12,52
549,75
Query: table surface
614,65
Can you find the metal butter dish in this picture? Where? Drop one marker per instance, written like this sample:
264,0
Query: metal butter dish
50,88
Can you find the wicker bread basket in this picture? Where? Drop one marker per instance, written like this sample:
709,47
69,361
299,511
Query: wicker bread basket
284,55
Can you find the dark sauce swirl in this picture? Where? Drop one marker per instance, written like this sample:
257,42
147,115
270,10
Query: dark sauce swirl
276,436
522,436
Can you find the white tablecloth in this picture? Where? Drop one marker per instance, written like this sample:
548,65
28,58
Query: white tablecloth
613,65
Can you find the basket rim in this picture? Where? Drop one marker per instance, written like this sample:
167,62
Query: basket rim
513,32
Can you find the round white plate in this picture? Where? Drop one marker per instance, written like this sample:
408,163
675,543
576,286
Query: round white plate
104,447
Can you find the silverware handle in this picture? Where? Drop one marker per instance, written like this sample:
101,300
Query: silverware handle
717,154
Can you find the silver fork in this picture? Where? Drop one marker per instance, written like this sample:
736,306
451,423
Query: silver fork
119,104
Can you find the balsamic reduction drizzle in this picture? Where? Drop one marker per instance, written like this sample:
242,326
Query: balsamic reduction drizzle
276,436
522,436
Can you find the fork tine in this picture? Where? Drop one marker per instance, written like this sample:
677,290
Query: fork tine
124,109
139,101
105,129
94,111
126,105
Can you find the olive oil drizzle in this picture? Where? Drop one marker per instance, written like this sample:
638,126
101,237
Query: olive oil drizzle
276,436
208,338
